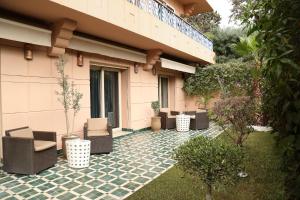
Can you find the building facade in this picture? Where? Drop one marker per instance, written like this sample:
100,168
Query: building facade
121,55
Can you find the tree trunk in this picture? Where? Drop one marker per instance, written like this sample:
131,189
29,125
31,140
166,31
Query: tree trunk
208,193
67,122
257,93
239,141
74,115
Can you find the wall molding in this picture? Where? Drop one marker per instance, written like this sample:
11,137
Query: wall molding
15,31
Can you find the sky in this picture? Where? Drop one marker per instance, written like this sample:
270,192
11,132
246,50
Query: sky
223,7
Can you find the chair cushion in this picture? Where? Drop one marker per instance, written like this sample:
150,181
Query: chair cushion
193,117
96,124
166,110
22,133
98,133
40,145
201,111
172,116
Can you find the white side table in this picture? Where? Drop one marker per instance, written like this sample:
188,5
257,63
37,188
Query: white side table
78,153
183,123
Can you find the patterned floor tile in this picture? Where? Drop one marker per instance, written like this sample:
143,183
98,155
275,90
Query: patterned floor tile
66,196
107,187
132,186
141,180
94,194
120,192
39,197
3,195
137,159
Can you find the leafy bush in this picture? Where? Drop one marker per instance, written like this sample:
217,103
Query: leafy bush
278,35
236,77
155,106
235,115
213,161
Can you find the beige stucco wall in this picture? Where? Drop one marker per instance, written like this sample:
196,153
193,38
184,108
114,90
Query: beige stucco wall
28,91
143,90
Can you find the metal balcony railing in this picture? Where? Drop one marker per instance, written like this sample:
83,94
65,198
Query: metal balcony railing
168,16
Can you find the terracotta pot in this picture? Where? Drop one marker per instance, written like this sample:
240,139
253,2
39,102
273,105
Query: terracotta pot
64,139
155,124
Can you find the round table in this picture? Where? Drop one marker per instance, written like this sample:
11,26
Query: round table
78,153
183,123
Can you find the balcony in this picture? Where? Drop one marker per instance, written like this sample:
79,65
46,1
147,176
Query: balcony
142,24
166,15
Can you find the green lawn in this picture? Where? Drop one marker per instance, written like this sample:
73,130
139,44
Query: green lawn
265,179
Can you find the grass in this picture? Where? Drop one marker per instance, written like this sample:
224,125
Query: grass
265,180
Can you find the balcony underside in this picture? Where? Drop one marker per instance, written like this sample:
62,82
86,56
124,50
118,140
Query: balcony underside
200,6
50,12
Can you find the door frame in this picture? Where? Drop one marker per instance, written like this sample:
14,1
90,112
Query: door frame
104,68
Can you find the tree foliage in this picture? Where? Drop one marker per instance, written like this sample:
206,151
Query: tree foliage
223,40
248,47
205,22
213,161
238,8
278,25
68,96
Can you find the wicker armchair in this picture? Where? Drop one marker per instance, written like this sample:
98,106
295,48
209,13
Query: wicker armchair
168,118
99,132
199,119
28,152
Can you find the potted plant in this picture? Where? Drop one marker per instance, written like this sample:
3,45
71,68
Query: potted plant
69,98
155,121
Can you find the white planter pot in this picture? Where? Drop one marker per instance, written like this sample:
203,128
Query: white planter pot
183,123
78,153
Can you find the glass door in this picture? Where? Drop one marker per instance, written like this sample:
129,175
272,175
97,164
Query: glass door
111,97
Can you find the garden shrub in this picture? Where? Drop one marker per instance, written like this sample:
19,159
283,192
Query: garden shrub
236,77
216,163
235,115
278,28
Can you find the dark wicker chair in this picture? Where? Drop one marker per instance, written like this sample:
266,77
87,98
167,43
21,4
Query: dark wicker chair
168,119
99,132
199,119
28,152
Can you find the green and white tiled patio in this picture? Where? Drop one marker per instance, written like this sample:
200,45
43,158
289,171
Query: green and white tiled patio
137,159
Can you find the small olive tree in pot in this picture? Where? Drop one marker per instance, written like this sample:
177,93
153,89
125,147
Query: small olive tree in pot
155,121
216,163
70,98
